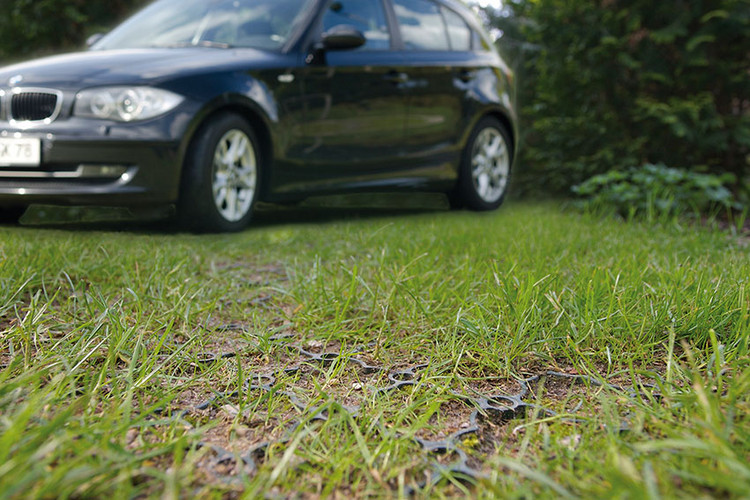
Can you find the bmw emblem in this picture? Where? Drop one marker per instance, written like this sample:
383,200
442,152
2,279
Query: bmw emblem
15,80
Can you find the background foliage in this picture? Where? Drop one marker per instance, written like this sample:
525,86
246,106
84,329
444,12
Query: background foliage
34,26
657,192
616,84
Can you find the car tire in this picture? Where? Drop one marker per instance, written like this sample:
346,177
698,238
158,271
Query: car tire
12,215
221,176
484,172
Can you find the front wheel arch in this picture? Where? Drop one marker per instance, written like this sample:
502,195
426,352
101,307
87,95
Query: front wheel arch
243,107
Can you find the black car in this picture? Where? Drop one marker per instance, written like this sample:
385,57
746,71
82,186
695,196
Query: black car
213,105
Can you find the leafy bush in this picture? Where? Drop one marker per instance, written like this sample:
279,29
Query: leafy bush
33,26
610,83
657,191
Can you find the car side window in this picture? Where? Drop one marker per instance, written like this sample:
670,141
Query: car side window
459,33
422,25
368,16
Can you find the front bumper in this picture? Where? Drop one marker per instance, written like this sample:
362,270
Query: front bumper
101,168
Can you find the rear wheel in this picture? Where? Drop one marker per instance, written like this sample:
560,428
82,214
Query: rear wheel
12,214
221,176
484,172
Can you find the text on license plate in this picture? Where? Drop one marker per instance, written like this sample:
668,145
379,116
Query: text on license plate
20,152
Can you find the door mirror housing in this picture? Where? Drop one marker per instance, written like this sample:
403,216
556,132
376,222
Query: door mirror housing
343,37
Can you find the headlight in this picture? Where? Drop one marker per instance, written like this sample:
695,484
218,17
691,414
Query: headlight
125,104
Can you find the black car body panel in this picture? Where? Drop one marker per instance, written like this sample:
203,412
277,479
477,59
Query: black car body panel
328,120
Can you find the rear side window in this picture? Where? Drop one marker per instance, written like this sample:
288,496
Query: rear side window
422,25
425,25
367,16
459,33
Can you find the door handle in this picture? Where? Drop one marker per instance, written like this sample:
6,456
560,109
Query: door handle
396,77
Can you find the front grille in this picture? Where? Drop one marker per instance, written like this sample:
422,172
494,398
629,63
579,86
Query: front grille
33,106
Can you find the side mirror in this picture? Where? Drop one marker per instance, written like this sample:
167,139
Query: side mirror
343,37
90,41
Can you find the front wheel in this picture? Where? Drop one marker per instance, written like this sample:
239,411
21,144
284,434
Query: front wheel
221,176
484,172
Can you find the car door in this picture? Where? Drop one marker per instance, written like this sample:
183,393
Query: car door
355,104
437,48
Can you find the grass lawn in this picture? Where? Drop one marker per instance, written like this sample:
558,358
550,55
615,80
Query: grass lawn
529,352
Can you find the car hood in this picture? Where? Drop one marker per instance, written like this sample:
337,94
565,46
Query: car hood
132,67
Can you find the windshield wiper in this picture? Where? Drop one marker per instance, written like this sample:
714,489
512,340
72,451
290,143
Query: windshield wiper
199,43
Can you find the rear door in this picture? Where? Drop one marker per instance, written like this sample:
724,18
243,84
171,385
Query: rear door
437,46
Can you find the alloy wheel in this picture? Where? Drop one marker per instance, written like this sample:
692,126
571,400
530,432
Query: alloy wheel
490,165
235,173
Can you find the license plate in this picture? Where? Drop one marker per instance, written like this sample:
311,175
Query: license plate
25,152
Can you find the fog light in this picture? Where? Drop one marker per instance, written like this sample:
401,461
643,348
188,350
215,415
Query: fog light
102,170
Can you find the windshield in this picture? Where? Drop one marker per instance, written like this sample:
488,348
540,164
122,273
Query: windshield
261,24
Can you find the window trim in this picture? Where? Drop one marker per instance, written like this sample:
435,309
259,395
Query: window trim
304,41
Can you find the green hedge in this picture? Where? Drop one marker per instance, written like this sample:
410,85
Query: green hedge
29,27
616,84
